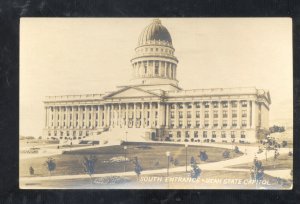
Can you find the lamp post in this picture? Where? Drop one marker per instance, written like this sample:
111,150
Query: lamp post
125,148
168,157
186,146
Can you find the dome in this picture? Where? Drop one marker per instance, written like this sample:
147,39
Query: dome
155,32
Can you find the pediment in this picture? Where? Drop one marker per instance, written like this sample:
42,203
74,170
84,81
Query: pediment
131,92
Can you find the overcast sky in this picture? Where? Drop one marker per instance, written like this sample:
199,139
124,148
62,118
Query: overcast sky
61,56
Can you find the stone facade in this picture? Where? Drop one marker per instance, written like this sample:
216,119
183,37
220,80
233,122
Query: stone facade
154,103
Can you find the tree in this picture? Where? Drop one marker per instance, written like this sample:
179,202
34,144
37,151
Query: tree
257,170
193,161
226,154
51,165
262,134
89,164
203,156
196,171
276,154
284,143
236,150
137,167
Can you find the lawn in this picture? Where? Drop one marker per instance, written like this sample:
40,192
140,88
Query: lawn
150,156
282,162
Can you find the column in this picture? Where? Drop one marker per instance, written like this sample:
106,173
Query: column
73,117
142,115
220,114
119,116
105,115
229,122
211,114
67,121
184,115
248,114
150,118
46,118
134,115
193,115
160,114
239,114
202,107
86,117
253,125
176,115
167,115
127,112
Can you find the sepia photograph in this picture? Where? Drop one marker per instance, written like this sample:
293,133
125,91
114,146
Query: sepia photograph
156,103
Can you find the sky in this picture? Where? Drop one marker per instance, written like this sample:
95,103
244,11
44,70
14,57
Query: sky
60,56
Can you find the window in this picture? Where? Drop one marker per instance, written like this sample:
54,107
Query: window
180,124
180,106
244,123
215,104
83,116
223,134
172,123
215,114
206,115
233,104
178,134
225,105
206,104
244,113
96,115
172,114
151,49
232,134
195,134
145,68
234,113
189,114
189,124
244,103
156,114
90,115
180,114
170,134
224,123
225,115
197,105
243,134
204,134
234,123
156,49
215,123
173,106
197,123
206,123
156,70
214,134
197,114
189,106
187,134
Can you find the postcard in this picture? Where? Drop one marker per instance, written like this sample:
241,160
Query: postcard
156,103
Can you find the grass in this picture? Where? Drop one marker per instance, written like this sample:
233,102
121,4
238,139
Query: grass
282,162
151,156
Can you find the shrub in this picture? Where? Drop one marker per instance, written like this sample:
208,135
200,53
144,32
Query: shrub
226,154
203,156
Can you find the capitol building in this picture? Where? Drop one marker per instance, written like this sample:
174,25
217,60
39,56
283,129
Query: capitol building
152,106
